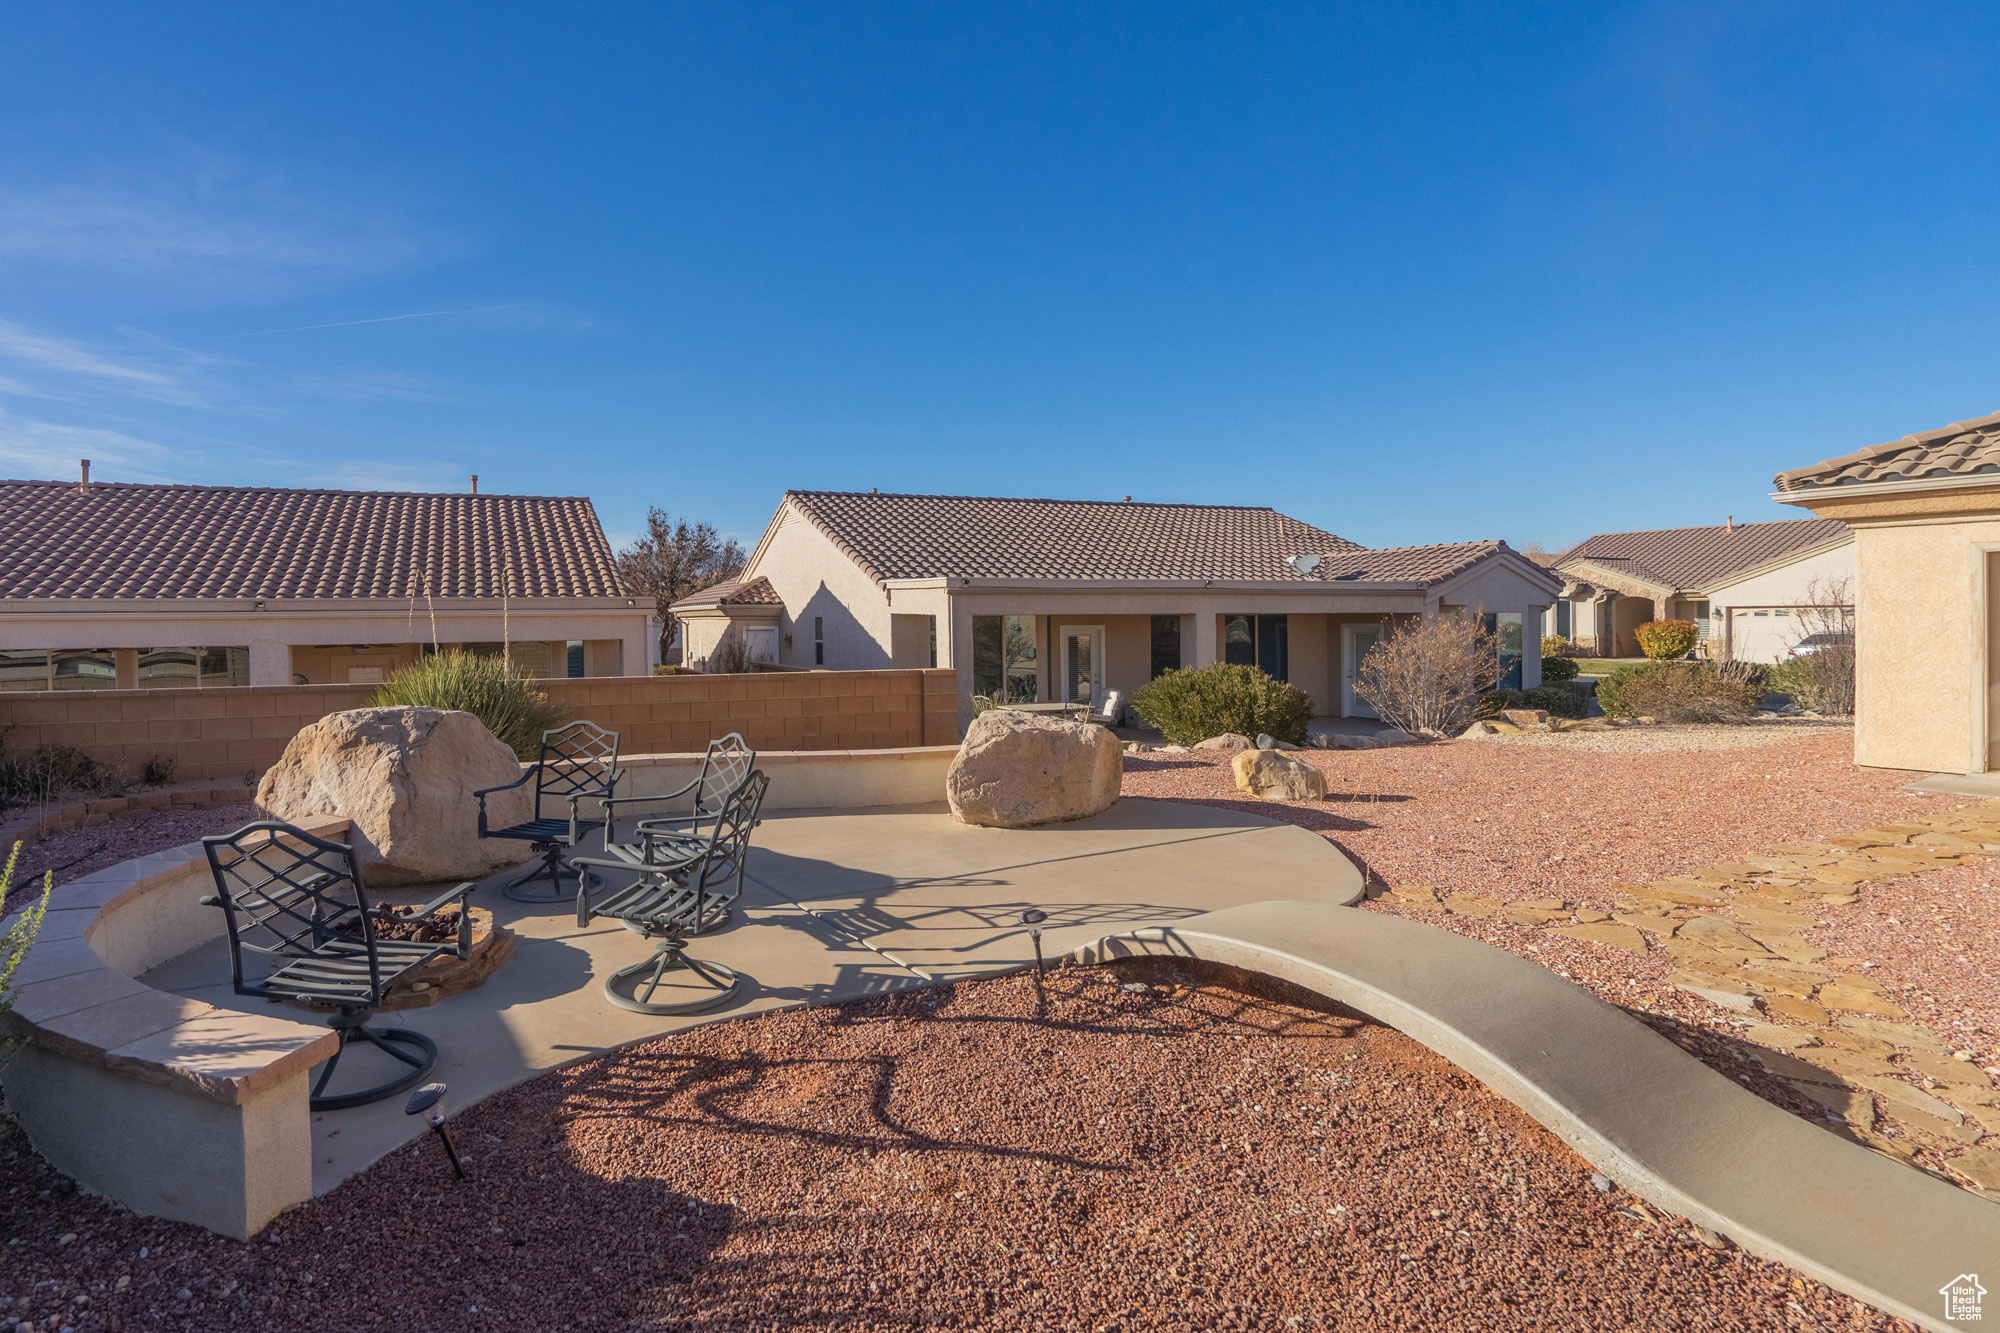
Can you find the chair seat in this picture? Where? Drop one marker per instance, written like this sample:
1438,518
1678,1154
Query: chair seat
546,830
659,901
337,971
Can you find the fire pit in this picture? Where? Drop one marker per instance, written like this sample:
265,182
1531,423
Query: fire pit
447,975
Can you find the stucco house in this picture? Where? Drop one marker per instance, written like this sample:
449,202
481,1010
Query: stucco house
116,586
1742,584
1925,511
1065,600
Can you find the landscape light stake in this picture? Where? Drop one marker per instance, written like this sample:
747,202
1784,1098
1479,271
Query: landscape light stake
1033,918
424,1099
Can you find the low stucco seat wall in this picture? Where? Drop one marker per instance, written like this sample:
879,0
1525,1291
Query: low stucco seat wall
812,779
173,1107
1637,1107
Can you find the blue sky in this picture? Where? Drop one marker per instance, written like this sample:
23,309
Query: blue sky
1410,272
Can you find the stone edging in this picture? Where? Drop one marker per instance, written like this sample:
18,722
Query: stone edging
32,828
1644,1112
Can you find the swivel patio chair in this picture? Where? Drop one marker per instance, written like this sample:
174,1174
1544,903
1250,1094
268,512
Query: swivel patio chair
677,895
723,767
299,900
579,762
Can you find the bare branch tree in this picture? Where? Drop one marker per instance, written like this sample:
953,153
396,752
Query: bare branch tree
673,559
1426,676
1819,674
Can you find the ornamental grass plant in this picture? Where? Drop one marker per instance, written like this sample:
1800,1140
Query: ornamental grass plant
486,687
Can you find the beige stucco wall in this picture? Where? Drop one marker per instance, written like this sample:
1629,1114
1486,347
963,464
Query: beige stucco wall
1767,638
813,577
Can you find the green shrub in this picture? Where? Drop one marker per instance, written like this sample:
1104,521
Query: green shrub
1557,700
1555,645
1679,692
1556,670
14,942
1665,640
1195,703
507,702
1822,681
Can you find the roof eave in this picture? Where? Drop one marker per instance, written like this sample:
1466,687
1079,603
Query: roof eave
1805,496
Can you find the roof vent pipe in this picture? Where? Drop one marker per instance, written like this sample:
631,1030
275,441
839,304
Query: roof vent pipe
1729,523
475,483
84,485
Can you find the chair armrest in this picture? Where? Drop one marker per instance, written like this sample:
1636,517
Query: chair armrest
483,792
611,804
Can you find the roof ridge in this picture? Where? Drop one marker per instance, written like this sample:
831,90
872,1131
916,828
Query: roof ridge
1043,500
97,485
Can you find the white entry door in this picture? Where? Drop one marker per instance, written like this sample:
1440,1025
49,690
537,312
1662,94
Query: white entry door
1082,665
1355,641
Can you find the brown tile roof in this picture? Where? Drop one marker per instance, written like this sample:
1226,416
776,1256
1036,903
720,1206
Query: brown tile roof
124,541
1417,564
733,592
1691,559
1964,448
938,536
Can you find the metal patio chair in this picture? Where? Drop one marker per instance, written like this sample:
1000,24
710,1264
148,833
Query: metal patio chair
299,900
723,767
579,762
676,896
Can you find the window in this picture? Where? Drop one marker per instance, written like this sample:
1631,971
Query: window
1259,641
1505,627
84,669
1004,660
819,640
1698,612
933,641
24,671
1166,644
169,668
573,658
1563,617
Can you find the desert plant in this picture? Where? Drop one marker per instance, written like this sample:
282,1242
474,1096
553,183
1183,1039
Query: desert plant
1556,670
1555,645
14,942
1426,676
729,656
507,702
1678,692
1822,679
1195,703
1665,640
50,773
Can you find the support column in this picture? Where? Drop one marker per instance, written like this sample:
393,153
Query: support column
1205,636
270,663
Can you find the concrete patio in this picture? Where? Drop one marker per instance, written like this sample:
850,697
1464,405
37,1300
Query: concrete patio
841,904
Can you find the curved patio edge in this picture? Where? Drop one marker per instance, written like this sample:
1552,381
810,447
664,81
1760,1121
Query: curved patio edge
1638,1108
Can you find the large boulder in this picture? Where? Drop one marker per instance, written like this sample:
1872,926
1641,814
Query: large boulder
1017,769
405,777
1273,775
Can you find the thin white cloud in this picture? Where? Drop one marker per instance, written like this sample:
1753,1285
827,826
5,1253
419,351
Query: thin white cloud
73,358
30,448
388,319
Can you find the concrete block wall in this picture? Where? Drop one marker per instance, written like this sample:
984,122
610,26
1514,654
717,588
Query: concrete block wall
238,733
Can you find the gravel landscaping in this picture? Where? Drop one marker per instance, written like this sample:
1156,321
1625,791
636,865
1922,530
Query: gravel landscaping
78,852
1856,997
981,1156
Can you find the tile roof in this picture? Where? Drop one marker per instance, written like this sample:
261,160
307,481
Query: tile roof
733,592
1690,559
1964,448
1418,564
124,541
938,536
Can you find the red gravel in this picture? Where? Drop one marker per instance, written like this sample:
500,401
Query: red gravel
970,1157
83,850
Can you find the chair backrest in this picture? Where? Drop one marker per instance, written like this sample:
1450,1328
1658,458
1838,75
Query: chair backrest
578,758
285,892
728,842
723,769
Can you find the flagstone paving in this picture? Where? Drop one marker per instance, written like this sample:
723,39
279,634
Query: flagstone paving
1735,934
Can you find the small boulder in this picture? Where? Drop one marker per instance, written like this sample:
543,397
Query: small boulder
1522,717
405,777
1489,727
1228,740
1266,741
1019,769
1272,775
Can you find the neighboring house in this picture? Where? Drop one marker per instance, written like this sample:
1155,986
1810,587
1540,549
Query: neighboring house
1742,584
1925,511
1053,600
113,586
